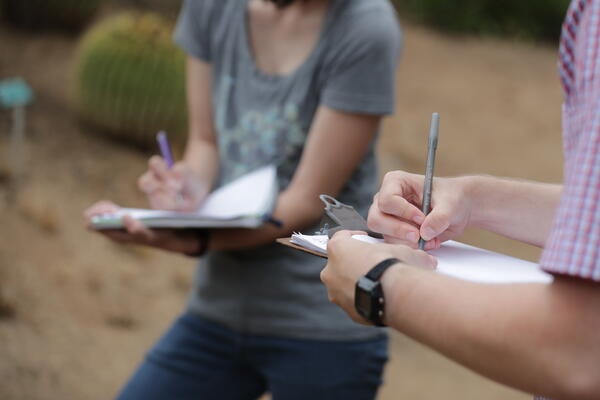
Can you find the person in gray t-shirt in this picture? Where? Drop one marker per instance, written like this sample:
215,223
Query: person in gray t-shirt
302,86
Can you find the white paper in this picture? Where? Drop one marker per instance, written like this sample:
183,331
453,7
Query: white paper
316,243
251,195
458,260
479,265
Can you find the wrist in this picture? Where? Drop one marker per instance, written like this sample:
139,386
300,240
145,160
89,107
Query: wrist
401,284
200,244
488,199
472,189
199,180
389,282
369,300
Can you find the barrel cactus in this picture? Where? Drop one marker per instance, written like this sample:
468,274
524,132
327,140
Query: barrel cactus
163,7
129,79
39,14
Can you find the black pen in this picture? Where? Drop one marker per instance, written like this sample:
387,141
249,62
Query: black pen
428,185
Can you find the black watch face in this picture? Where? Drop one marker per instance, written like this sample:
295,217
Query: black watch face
364,298
363,303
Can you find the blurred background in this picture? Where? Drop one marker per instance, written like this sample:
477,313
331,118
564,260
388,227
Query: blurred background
86,84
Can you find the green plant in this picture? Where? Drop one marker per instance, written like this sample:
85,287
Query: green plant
164,7
129,79
40,14
537,19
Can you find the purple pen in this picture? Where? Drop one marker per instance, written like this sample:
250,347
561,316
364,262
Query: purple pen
165,149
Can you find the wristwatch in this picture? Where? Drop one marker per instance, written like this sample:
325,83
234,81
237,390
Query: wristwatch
368,294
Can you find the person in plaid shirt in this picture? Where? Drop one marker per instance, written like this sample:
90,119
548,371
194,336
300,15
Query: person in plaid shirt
538,338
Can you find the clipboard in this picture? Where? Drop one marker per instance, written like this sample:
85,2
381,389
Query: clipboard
338,216
287,242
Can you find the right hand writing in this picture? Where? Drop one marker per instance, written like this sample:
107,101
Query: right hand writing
396,210
175,188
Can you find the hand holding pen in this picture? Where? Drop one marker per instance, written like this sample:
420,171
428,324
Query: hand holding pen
408,211
170,185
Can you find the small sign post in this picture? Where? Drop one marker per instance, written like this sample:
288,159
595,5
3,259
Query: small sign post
15,94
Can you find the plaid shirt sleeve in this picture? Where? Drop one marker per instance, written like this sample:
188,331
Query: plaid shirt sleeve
573,247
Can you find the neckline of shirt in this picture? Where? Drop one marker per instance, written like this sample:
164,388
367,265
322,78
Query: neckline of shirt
308,60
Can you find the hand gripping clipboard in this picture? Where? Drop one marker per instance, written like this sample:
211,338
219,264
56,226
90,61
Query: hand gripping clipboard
339,216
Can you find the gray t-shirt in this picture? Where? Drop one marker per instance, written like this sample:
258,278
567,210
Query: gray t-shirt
264,119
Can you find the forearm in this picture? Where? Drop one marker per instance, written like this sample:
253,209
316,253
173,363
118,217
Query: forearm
201,155
541,338
520,210
295,211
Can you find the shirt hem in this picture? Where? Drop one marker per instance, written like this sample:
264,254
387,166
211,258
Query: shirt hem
263,328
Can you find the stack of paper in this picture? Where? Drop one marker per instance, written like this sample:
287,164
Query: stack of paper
245,202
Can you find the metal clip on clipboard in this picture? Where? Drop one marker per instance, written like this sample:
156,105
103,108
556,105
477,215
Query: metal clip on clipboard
339,216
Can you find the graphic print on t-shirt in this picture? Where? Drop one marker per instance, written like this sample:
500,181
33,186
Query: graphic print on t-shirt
256,137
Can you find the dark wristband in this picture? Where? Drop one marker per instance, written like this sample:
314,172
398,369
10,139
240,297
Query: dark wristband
203,238
377,271
368,296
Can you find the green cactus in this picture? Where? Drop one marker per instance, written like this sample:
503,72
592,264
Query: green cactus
163,7
129,79
38,14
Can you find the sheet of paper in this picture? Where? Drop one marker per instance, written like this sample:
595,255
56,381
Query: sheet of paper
479,265
248,195
459,260
316,243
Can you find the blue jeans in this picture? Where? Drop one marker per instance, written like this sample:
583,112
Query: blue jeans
199,359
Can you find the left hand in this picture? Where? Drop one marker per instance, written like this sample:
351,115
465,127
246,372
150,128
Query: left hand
350,259
135,232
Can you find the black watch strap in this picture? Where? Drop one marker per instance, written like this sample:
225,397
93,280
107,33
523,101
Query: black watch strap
203,237
368,296
377,271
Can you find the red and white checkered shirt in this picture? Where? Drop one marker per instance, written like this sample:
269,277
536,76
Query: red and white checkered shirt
573,247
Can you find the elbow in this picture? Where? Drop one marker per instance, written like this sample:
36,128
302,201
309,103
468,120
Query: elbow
581,384
573,371
575,349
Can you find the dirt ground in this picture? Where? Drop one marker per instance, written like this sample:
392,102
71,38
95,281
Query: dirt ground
77,313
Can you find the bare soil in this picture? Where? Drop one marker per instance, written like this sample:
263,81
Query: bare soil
77,313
